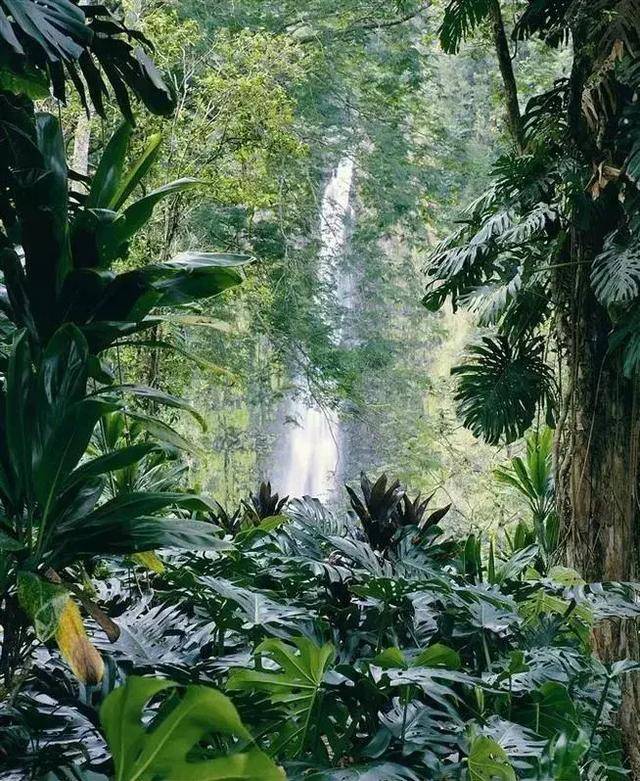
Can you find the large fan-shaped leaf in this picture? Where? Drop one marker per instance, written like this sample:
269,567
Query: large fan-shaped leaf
500,387
141,753
48,37
296,685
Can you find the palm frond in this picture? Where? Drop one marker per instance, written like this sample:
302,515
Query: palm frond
50,42
546,19
461,18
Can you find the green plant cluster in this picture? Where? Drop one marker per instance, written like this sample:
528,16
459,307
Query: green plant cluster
432,657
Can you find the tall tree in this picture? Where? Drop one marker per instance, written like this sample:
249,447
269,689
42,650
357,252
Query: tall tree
549,256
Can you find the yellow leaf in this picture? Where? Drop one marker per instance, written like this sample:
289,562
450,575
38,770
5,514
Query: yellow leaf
75,646
149,560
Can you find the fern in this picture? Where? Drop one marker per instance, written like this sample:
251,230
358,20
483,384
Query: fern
501,387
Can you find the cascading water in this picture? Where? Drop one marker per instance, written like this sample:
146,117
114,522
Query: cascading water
311,451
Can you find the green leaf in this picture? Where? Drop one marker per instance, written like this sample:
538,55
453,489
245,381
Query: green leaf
114,235
191,276
107,179
438,655
162,431
162,751
551,711
391,658
296,685
501,385
160,397
461,18
43,602
18,412
137,172
64,447
64,369
615,274
487,761
111,462
52,149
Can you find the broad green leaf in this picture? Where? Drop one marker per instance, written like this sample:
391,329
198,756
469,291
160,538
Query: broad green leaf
111,462
162,750
52,148
438,655
136,215
64,447
162,431
296,686
487,761
550,711
64,369
192,276
137,172
108,176
18,412
391,658
160,397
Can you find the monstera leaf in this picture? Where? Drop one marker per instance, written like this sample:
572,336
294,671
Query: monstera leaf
164,748
501,385
297,686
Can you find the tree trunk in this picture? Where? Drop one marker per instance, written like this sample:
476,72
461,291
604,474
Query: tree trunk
81,144
503,53
597,465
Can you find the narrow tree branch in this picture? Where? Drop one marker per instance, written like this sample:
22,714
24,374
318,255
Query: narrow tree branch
365,25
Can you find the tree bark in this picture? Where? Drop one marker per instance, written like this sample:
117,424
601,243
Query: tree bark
597,465
503,53
81,144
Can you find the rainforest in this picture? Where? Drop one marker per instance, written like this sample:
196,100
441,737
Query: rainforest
319,390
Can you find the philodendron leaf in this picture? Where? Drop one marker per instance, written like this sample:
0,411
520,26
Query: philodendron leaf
162,750
296,685
487,761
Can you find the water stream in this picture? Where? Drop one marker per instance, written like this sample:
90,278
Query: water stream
311,445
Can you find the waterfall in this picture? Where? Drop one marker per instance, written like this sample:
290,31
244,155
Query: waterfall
311,450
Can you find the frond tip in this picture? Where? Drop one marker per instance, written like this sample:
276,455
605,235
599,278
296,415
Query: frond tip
501,385
461,18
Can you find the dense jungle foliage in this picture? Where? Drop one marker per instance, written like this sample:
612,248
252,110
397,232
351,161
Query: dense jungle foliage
217,221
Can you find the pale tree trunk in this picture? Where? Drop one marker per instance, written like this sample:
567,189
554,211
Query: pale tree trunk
597,466
81,144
